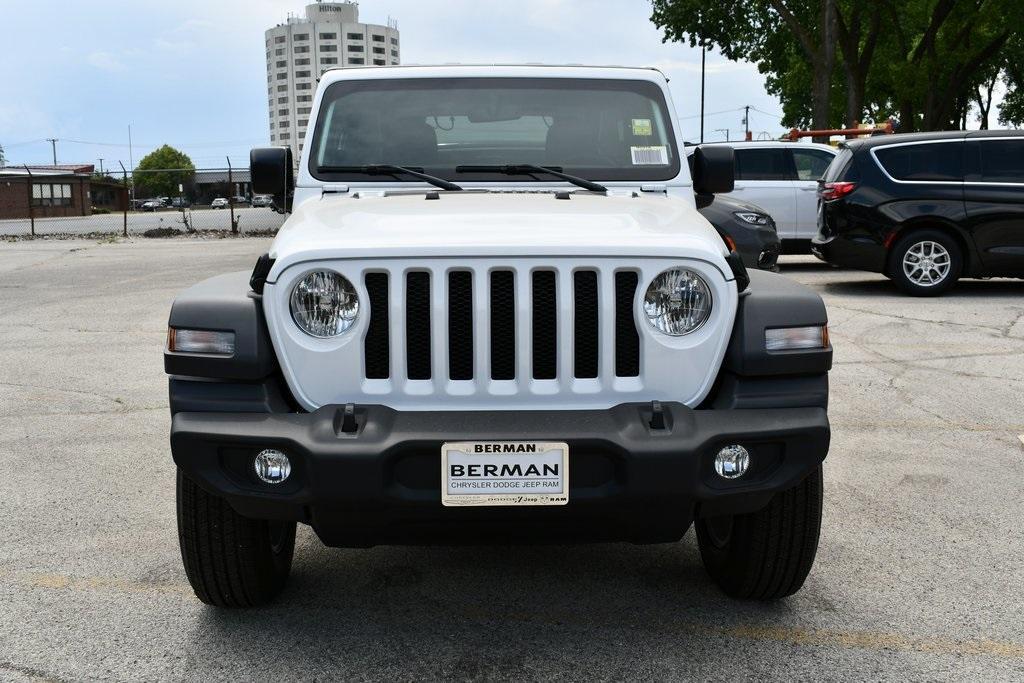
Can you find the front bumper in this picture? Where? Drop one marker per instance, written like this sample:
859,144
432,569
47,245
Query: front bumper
380,484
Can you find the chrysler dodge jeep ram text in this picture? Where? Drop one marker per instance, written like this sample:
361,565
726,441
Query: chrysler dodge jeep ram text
495,315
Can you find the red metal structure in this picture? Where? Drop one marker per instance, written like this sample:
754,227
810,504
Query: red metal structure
884,129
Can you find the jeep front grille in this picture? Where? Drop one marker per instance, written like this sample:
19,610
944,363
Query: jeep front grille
485,314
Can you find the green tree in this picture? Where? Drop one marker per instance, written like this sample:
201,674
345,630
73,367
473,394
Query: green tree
3,159
159,173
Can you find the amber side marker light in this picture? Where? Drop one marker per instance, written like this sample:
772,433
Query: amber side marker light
200,341
796,338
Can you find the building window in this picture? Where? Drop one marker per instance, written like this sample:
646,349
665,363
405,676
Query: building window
285,136
285,124
299,49
281,77
378,39
301,74
355,36
282,112
51,194
282,88
304,110
328,36
303,86
355,48
355,60
282,100
279,51
271,137
301,36
394,53
328,48
279,39
304,98
378,62
378,50
303,122
271,125
394,41
282,64
328,60
302,61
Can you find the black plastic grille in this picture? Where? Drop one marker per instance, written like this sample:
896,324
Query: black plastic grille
417,325
627,341
503,325
545,325
585,325
377,344
460,325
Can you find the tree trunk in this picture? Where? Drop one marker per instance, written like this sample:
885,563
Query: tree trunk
823,65
855,85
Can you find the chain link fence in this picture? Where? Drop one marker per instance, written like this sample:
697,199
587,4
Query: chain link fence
158,203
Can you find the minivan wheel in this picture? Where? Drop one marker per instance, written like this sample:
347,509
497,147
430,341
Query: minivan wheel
231,560
765,555
926,263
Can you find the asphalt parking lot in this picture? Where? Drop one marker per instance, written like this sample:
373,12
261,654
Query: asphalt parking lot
200,218
919,573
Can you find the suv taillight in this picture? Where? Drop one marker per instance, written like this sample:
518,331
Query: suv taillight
830,191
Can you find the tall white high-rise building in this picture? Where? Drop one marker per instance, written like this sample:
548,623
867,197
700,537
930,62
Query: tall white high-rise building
328,36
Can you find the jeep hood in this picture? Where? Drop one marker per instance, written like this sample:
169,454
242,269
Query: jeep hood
495,224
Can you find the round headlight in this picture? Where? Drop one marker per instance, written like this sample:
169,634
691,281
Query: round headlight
677,302
324,304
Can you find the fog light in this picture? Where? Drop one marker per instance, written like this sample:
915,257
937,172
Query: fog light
272,466
732,461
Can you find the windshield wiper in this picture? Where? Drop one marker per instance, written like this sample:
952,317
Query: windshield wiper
388,169
530,169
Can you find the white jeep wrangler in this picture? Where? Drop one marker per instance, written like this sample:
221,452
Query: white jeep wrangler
496,315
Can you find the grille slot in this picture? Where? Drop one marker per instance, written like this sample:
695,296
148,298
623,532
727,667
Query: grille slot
460,325
503,325
586,328
545,325
417,325
627,340
376,345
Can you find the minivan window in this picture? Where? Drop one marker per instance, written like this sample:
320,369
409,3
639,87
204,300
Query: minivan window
928,161
837,169
810,163
762,164
1002,161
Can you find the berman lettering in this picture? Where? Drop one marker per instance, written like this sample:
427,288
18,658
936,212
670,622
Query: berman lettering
493,470
505,448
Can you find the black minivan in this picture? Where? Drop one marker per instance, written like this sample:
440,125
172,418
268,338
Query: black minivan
925,209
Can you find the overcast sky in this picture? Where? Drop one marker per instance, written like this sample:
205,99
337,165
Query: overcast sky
192,73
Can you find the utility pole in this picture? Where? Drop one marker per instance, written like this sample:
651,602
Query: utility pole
101,165
703,59
746,122
53,143
723,130
131,159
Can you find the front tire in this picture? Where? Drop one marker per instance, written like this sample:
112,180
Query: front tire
926,263
765,555
230,560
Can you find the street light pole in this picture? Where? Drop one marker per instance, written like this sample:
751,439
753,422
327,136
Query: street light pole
101,165
703,59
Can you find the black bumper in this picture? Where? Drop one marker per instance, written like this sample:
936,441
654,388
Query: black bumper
381,483
858,252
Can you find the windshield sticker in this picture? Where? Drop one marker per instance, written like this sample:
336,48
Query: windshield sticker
650,156
642,128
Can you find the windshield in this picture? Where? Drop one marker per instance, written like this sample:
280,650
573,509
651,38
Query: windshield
595,129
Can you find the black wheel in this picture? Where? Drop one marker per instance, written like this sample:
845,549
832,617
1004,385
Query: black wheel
230,560
765,555
926,263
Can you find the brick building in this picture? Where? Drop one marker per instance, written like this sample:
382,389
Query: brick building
53,191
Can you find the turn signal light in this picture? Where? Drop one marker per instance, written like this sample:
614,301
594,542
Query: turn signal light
831,191
796,338
200,341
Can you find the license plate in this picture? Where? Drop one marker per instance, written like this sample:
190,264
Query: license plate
504,473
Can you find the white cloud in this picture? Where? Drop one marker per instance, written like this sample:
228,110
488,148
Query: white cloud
105,61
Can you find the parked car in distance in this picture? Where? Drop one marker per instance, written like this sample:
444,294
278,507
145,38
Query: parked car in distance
782,178
180,203
151,205
239,199
926,209
219,203
262,200
747,229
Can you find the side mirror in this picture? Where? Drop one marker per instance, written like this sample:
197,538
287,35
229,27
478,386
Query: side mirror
271,172
714,169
